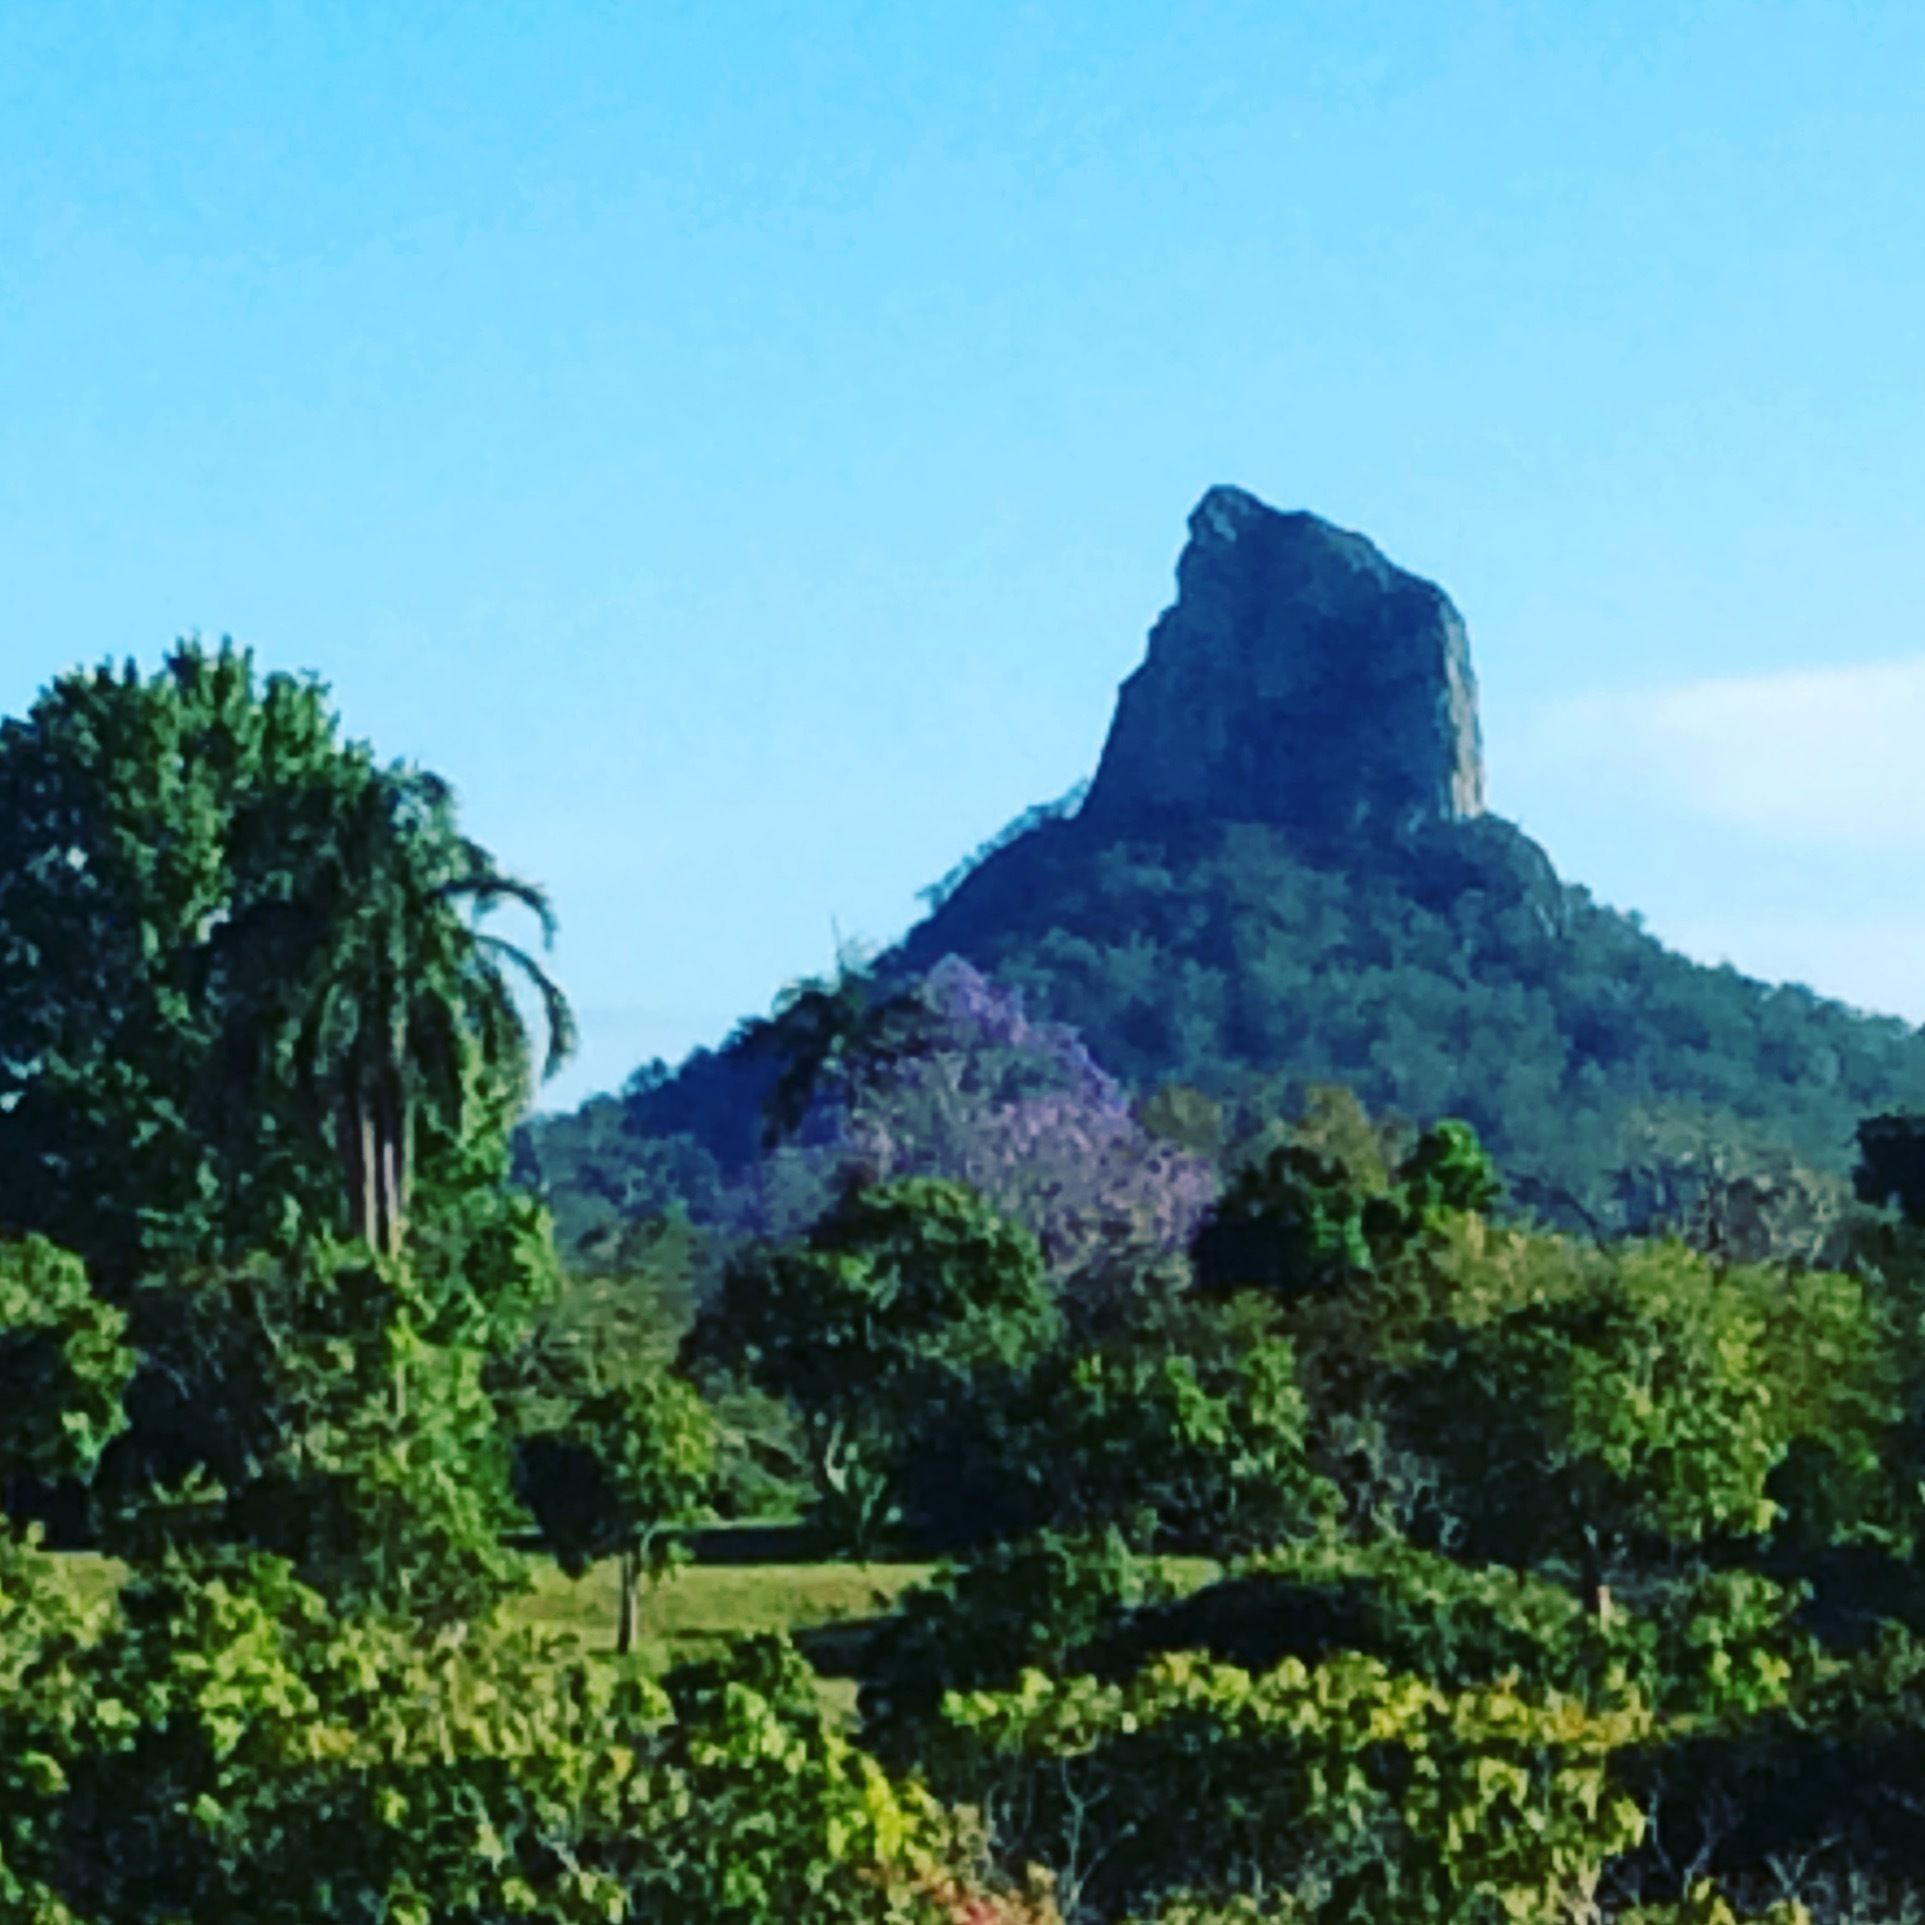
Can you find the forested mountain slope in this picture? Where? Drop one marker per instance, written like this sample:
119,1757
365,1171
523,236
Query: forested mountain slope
1446,972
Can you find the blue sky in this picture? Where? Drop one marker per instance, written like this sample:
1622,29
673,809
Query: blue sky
745,446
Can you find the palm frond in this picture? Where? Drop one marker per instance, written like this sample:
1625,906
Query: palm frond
558,1017
488,889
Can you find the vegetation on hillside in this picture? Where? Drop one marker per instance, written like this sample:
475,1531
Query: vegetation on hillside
1620,1085
1449,974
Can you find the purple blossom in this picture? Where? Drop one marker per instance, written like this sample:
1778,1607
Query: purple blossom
987,1024
1017,1109
1023,1113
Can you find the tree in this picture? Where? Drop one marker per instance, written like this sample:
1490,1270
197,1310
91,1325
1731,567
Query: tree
1891,1163
1020,1111
1292,1223
238,991
326,1407
1640,1407
825,1033
1184,1429
1449,1169
903,1297
1303,1219
1195,1423
381,999
633,1460
119,800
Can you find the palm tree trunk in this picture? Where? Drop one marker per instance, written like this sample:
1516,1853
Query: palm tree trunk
403,1160
360,1155
389,1106
391,1219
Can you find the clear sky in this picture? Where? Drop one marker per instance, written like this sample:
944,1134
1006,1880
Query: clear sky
744,446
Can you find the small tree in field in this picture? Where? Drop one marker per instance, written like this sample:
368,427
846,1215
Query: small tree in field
636,1459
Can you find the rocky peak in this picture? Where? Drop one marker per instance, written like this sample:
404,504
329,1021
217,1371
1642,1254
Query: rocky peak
1299,678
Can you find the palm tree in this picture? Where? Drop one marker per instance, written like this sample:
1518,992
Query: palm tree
385,1001
828,1029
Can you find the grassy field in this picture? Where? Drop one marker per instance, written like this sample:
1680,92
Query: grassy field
692,1613
695,1610
699,1604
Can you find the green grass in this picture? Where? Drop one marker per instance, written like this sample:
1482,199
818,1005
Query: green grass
696,1609
696,1605
692,1613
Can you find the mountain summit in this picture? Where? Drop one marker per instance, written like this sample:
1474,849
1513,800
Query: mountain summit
1301,679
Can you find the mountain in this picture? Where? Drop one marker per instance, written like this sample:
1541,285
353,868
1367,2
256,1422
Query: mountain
1299,679
1281,875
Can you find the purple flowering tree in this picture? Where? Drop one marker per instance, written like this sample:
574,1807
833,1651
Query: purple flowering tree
1021,1112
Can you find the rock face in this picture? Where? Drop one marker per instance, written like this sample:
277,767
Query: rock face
1299,679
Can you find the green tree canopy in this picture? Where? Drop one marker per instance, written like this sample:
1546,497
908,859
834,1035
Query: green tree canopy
327,1407
1642,1405
1449,1169
904,1294
239,983
1322,1209
1185,1430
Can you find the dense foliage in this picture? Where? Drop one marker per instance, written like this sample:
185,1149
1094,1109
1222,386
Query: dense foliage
64,1366
1023,1113
1448,976
909,1298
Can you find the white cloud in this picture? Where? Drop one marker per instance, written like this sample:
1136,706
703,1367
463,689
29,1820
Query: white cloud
1817,757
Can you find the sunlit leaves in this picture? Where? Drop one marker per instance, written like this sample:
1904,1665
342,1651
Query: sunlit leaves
1349,1785
240,1750
64,1365
1658,1398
